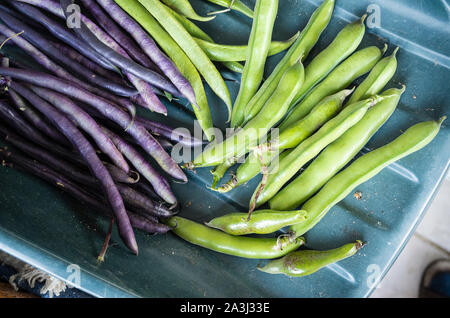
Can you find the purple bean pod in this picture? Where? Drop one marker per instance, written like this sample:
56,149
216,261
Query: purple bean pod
172,134
166,144
36,119
117,34
14,120
152,102
43,155
59,32
147,189
149,46
88,153
121,176
159,183
81,59
124,102
40,41
85,122
140,201
147,224
116,58
108,110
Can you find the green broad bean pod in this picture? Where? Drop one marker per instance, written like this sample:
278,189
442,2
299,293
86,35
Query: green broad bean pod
199,58
227,53
363,169
358,64
299,50
288,138
241,246
338,154
181,60
184,8
281,173
233,5
264,17
380,75
306,262
262,222
238,144
345,43
324,110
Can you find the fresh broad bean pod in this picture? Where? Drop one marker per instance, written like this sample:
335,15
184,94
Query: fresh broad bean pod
262,222
342,46
289,138
299,50
380,75
238,144
184,7
227,53
338,154
324,110
307,262
282,172
177,55
363,169
233,5
199,58
246,247
358,64
258,49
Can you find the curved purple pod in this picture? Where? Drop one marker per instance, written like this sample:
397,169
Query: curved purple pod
60,32
108,110
149,46
159,183
85,122
117,34
88,153
145,90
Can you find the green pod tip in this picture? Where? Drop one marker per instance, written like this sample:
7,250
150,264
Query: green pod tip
363,18
348,92
385,48
394,54
441,120
403,89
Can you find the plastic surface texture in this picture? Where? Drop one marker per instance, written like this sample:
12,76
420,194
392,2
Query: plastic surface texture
50,230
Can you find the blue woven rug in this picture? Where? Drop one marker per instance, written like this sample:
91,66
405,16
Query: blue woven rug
26,278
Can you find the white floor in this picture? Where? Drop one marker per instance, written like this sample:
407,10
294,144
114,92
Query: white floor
431,241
